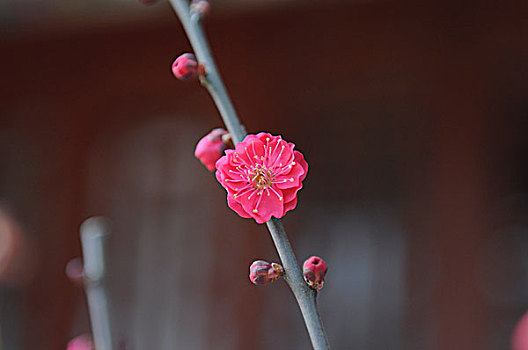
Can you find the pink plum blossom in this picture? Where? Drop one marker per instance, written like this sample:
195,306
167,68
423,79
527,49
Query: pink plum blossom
262,176
211,147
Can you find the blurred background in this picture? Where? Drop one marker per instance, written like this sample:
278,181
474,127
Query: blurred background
413,117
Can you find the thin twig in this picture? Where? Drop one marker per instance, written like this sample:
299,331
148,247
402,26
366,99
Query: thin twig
306,297
94,233
212,81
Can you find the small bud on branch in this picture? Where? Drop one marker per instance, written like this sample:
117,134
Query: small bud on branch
211,147
314,271
262,272
186,67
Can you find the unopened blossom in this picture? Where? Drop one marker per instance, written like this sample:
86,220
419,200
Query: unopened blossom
262,176
262,272
211,147
314,271
81,342
186,67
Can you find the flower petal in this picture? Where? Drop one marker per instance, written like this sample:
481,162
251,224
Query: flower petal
290,205
299,159
265,205
236,206
296,174
290,193
270,205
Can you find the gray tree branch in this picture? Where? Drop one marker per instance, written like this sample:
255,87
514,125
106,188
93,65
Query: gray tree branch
305,296
94,232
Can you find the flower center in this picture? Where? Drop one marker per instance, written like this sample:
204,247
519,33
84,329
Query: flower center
261,177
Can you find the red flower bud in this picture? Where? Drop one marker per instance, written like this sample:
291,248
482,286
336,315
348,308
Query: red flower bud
186,67
314,271
211,147
262,272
